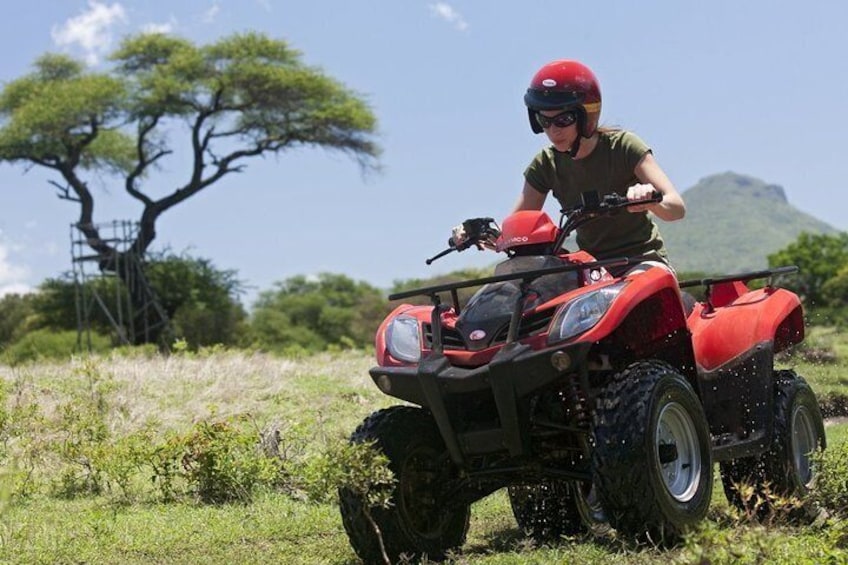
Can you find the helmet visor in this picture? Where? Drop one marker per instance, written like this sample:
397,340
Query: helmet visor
536,99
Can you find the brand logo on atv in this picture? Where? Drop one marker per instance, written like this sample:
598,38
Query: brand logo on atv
477,335
549,82
519,239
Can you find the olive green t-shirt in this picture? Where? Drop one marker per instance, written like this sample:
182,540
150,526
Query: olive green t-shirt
608,168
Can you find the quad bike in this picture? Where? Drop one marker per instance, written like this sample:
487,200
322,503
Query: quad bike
597,401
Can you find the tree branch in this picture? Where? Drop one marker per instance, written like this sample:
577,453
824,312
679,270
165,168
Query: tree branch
143,161
64,192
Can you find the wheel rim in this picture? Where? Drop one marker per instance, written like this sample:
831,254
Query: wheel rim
803,443
418,494
678,452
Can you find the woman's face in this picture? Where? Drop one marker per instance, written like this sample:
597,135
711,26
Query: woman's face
562,137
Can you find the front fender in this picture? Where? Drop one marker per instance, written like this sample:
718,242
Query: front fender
654,290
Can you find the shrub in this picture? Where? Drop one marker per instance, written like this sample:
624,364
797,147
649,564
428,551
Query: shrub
40,345
222,462
358,467
831,489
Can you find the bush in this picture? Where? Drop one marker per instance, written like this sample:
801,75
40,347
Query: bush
831,489
40,345
222,462
317,313
358,467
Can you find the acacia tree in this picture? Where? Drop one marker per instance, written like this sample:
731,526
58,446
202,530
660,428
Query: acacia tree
241,97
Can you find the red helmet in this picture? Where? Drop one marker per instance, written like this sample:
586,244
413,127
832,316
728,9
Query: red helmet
526,227
565,85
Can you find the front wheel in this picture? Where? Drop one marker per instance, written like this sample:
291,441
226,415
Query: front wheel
652,462
420,521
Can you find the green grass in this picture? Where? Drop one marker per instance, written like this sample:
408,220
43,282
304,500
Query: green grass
324,398
277,529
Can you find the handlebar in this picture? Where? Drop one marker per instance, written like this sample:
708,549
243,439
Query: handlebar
591,202
592,206
477,230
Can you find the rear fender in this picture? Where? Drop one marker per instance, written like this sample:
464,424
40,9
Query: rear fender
735,338
728,329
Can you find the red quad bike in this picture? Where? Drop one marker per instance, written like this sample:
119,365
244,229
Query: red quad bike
598,401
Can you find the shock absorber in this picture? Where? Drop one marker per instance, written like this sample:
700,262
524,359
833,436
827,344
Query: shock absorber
577,403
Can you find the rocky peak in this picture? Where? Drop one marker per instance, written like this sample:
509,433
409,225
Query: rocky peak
743,185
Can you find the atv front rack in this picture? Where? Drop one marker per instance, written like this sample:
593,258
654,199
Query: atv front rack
526,278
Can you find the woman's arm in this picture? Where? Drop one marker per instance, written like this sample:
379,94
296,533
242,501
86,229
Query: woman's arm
649,172
530,199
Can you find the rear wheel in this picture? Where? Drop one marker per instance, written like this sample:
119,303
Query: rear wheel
549,510
787,468
652,462
420,521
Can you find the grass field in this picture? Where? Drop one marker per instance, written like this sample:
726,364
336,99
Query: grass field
66,497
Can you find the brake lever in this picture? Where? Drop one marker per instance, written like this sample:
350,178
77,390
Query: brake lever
441,254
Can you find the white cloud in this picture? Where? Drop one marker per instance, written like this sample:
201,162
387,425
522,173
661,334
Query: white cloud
446,12
91,30
165,27
210,14
12,277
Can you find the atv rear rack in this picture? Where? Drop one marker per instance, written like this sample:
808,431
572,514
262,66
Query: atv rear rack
708,283
742,277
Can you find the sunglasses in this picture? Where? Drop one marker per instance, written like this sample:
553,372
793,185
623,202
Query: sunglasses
561,120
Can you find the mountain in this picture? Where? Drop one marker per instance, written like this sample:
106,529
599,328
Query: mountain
733,222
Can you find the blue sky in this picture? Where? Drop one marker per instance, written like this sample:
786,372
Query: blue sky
755,87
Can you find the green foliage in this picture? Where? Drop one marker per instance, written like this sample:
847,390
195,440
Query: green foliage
820,259
200,300
221,462
55,305
835,289
16,312
40,345
831,490
82,441
359,467
313,314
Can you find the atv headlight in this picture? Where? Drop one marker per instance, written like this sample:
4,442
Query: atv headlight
402,339
583,312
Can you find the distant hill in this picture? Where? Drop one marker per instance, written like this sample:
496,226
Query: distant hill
733,222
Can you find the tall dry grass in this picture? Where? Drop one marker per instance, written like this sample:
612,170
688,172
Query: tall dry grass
174,392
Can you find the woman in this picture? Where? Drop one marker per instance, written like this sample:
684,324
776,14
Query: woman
564,101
